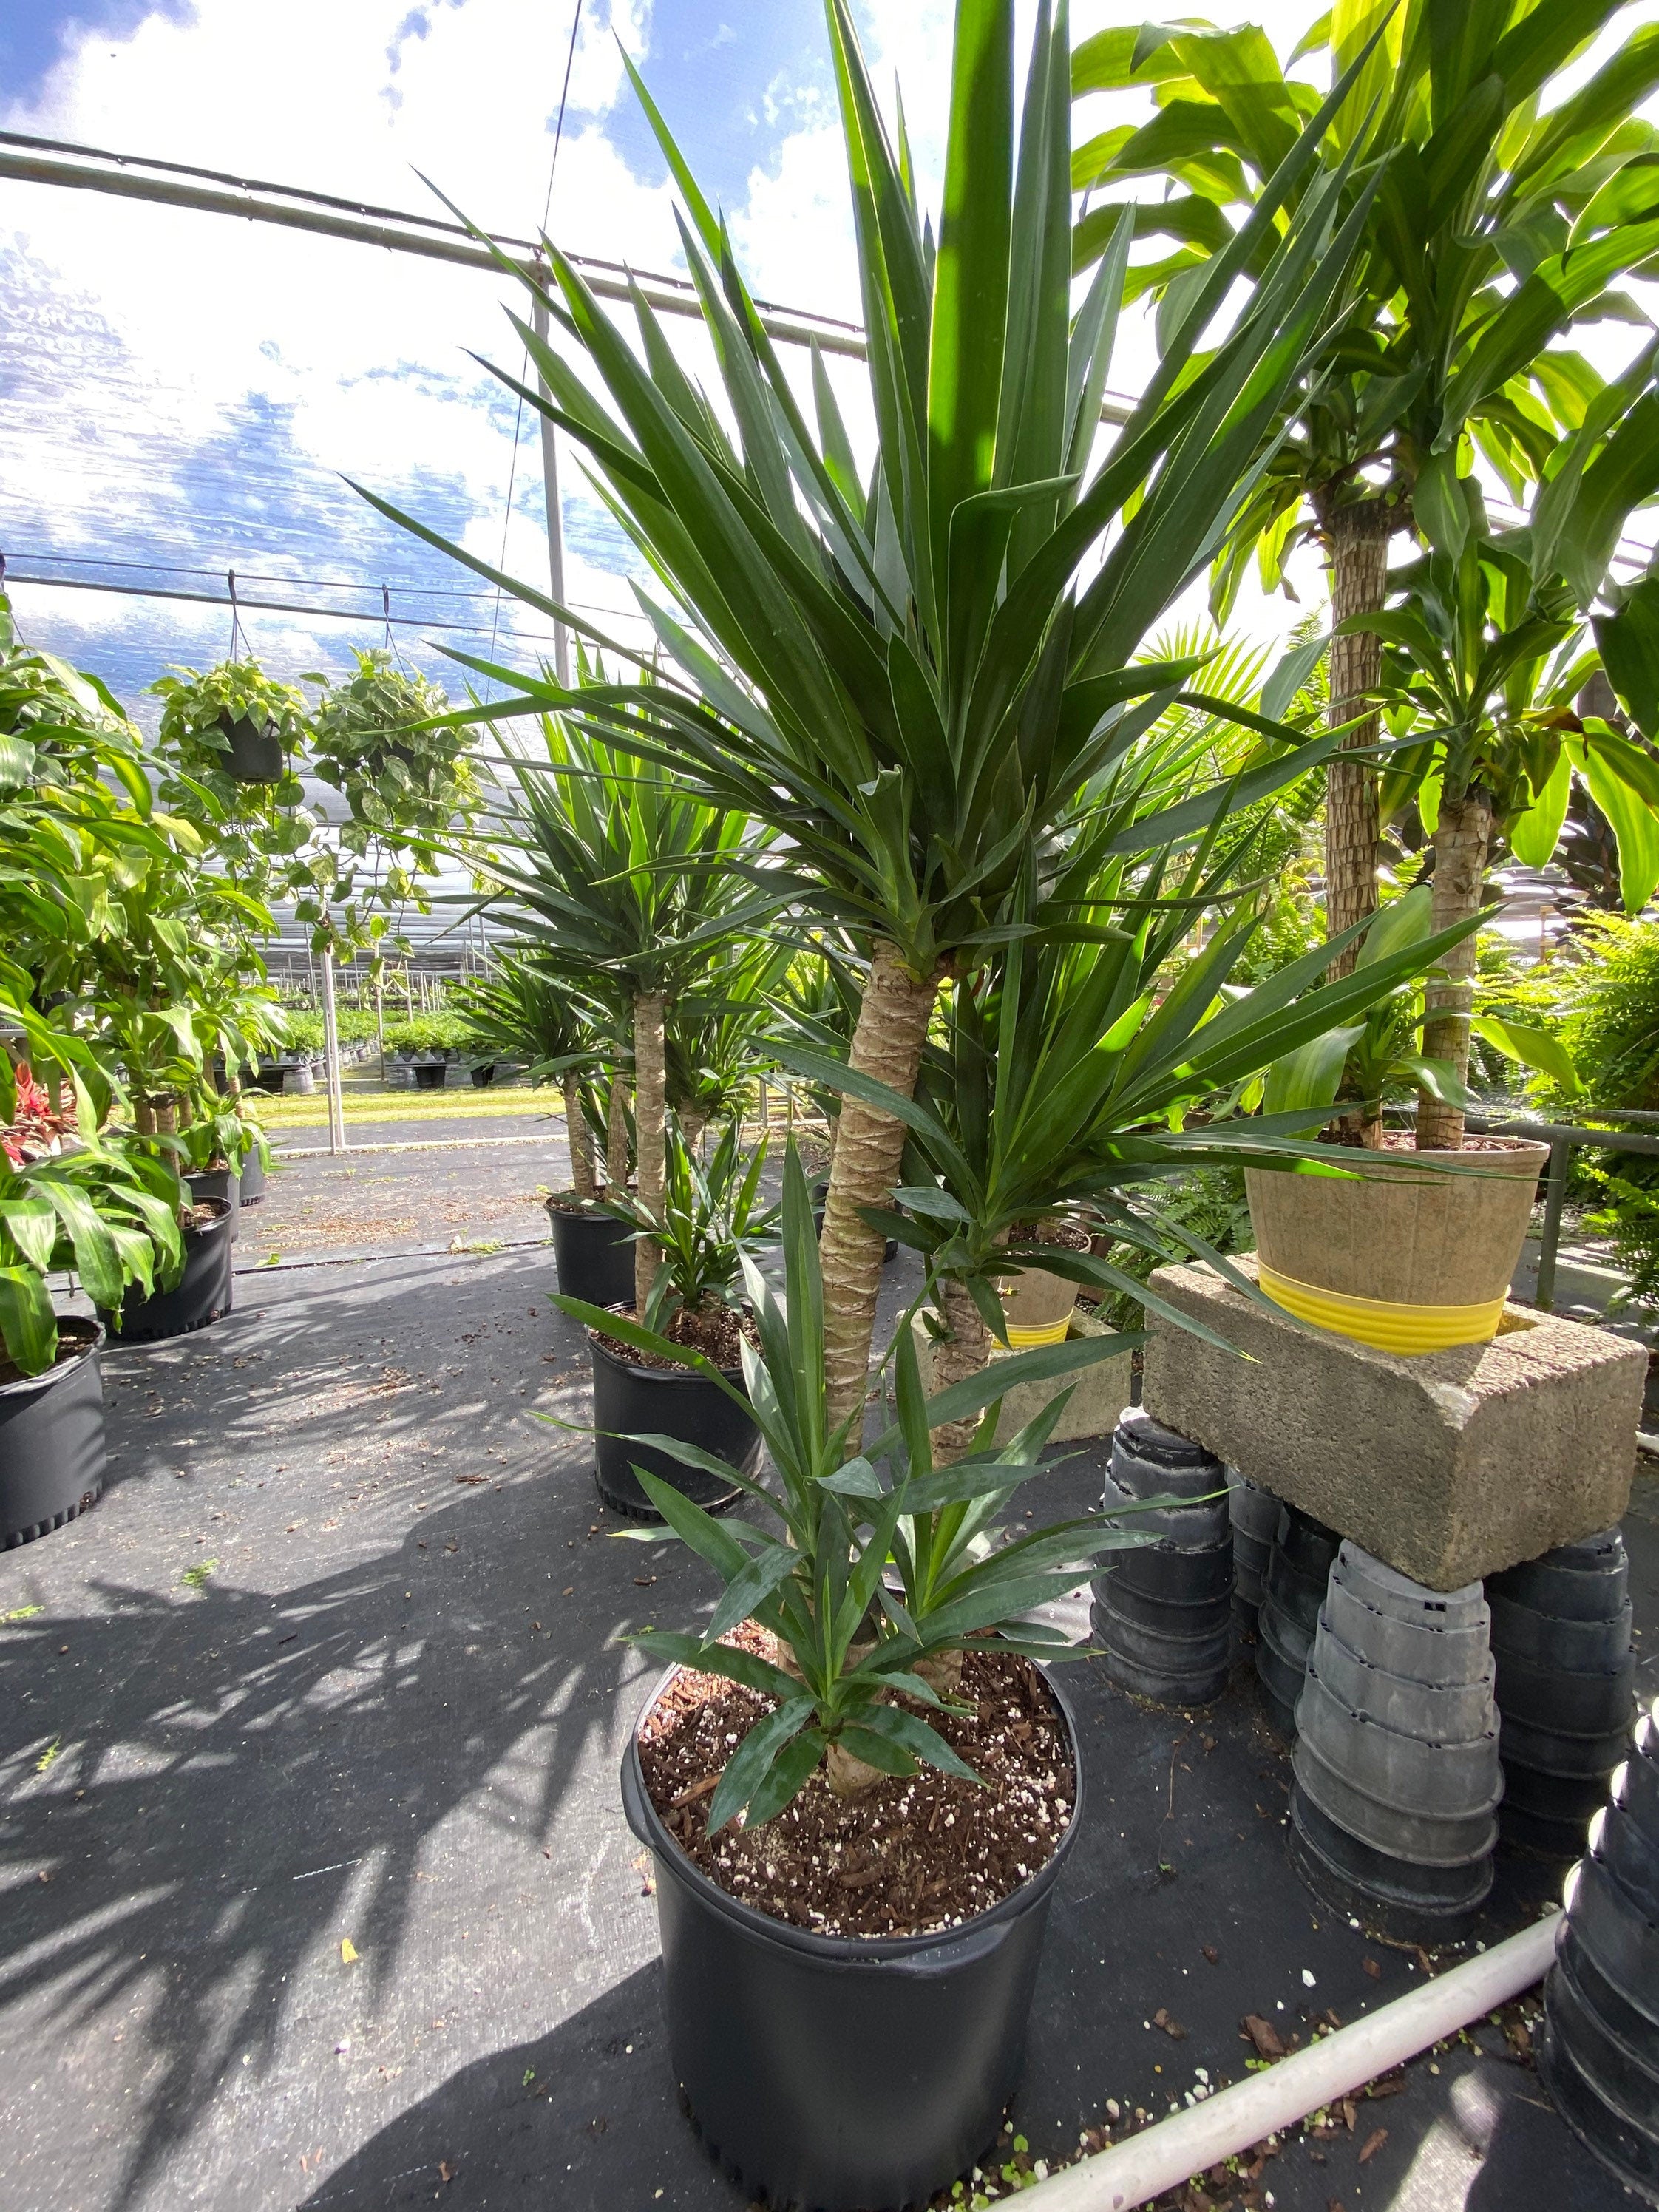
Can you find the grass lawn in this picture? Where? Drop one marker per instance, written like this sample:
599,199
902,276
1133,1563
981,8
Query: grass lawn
370,1102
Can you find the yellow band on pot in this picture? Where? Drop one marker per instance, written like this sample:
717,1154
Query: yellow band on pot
1384,1323
1050,1332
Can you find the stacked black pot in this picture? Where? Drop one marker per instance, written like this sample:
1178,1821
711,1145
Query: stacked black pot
1600,2057
1255,1522
1393,1813
1566,1687
1293,1589
1164,1610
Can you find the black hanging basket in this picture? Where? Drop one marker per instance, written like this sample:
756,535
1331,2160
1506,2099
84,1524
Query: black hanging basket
838,2071
256,750
51,1439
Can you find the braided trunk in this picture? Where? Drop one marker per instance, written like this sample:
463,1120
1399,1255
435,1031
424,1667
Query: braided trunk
650,1113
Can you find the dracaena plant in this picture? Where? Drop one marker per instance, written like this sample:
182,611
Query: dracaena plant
1512,202
106,1209
847,1643
913,671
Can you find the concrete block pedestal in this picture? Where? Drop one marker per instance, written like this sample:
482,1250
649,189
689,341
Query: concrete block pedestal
1449,1466
1099,1393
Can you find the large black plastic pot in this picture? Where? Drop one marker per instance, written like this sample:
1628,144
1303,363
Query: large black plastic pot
51,1440
217,1182
256,750
664,1402
250,1186
594,1255
202,1294
840,2073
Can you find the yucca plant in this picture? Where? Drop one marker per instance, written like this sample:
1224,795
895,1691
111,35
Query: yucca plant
565,1027
1511,203
912,675
851,1643
620,875
712,1217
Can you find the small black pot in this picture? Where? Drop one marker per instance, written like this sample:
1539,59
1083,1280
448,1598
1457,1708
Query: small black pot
430,1076
51,1440
594,1253
664,1402
251,1187
484,1076
202,1294
217,1182
256,750
843,2071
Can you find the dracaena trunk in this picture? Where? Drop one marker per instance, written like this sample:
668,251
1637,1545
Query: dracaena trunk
1358,536
1461,841
579,1137
650,1111
963,1353
887,1043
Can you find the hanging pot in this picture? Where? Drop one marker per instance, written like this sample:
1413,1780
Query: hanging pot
594,1254
256,750
843,2072
51,1439
1393,1254
202,1294
664,1402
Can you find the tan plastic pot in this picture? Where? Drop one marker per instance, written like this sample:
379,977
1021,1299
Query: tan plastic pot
1038,1305
1395,1254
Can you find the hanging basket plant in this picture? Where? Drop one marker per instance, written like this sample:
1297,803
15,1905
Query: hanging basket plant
233,727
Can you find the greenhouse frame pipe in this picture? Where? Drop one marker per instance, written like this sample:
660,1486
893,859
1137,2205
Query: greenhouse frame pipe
1266,2103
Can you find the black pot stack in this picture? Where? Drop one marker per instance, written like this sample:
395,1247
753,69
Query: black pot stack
1255,1522
1566,1688
1393,1814
1298,1567
1164,1610
1600,2056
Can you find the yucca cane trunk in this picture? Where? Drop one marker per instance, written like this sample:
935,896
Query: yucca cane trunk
963,1353
1462,839
1357,538
579,1137
615,1134
650,1112
887,1043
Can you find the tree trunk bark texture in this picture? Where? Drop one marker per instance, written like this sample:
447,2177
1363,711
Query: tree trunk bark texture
650,1108
1461,841
1358,537
887,1043
616,1135
580,1138
963,1353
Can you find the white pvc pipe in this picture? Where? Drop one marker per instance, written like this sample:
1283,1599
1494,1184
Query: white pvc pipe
1266,2103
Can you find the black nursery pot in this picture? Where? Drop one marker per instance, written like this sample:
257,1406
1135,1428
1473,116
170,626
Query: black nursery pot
202,1293
251,1185
217,1182
841,2072
256,750
594,1254
664,1402
51,1440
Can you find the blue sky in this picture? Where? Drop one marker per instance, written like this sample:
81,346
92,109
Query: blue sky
179,394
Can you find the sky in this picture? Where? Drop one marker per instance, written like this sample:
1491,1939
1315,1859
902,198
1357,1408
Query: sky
183,394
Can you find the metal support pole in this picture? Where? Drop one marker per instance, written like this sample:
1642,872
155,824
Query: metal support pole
336,1135
554,519
1555,1196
